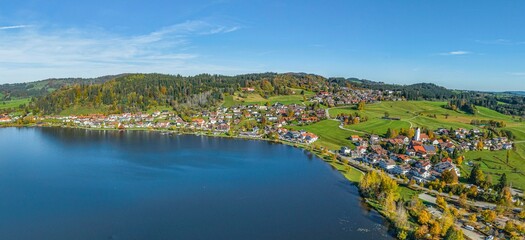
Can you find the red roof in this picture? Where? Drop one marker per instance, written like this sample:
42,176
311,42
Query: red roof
420,149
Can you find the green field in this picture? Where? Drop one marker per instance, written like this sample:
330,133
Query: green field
255,98
330,135
494,163
421,114
82,110
13,103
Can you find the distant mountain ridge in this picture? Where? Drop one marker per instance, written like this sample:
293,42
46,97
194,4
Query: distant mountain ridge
520,93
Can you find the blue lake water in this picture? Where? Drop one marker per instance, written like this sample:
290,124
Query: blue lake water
78,184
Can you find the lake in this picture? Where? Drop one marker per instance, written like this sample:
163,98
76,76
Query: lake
78,184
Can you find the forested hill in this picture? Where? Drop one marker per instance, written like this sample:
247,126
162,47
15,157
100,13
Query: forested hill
139,92
418,91
39,88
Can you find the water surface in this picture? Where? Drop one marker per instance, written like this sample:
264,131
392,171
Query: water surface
79,184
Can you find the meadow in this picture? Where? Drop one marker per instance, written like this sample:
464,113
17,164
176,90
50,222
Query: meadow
13,103
255,98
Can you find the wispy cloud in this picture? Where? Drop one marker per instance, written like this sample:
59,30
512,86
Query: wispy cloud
455,53
14,27
501,41
518,74
39,53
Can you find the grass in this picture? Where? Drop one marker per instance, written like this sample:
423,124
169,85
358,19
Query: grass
406,193
82,110
330,135
13,103
353,175
420,114
255,98
494,164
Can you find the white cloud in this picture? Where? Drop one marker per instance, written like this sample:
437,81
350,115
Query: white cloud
33,53
454,53
14,27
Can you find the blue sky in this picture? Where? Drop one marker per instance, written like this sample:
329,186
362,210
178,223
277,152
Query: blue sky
476,45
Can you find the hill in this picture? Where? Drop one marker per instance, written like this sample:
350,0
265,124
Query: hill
140,92
520,93
39,88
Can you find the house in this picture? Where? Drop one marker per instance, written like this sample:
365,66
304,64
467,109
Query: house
430,149
401,169
309,137
446,166
379,150
5,120
423,164
248,89
355,138
223,127
387,164
420,172
374,139
420,150
403,158
345,151
198,122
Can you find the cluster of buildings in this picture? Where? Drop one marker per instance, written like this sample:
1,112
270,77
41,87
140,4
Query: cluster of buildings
5,119
238,119
353,96
415,159
470,140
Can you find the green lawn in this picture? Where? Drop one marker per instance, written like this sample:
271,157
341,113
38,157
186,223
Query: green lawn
350,173
330,135
13,103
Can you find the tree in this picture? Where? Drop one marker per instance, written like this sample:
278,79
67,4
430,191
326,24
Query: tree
489,215
480,145
440,201
502,182
401,216
402,235
421,231
361,106
476,175
447,221
411,133
506,196
473,218
508,156
459,159
424,217
462,200
435,228
450,176
454,233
